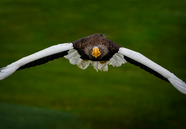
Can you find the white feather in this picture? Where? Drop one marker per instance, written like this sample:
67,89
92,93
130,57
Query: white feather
105,68
117,60
100,65
8,70
71,53
74,58
176,82
95,65
83,64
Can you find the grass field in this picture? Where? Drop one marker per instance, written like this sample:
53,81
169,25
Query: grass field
125,97
24,117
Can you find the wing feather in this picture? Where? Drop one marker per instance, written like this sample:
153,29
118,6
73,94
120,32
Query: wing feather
43,60
145,68
37,58
150,66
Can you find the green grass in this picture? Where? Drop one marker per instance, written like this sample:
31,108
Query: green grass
124,97
24,117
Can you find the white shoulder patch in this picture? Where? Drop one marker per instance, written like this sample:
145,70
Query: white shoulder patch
74,58
117,60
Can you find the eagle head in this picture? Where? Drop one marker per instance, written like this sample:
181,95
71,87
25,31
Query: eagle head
96,53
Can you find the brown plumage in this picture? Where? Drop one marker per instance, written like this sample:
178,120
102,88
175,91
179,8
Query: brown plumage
85,45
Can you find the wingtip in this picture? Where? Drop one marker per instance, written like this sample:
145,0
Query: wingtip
178,84
7,71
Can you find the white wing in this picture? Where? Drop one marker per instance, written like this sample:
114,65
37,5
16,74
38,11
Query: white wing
53,50
175,81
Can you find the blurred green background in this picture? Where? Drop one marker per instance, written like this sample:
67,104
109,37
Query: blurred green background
124,97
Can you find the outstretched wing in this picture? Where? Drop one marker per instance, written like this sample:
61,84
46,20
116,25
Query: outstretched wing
37,58
150,66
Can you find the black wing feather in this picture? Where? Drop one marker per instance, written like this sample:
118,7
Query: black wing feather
145,68
44,60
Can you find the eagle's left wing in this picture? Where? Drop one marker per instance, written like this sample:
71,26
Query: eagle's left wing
150,66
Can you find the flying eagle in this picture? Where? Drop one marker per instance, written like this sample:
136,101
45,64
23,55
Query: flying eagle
98,51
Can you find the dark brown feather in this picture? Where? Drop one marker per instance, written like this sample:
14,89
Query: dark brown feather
95,40
145,68
44,60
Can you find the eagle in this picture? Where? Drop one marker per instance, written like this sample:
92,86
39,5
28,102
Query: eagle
95,50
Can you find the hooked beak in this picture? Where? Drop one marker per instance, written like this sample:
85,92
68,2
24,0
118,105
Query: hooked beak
96,52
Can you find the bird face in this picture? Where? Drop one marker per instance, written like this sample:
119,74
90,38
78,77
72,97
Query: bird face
96,52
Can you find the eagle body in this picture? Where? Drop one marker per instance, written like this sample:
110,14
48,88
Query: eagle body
85,45
95,50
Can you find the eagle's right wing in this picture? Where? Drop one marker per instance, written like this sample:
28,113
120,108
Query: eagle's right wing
37,58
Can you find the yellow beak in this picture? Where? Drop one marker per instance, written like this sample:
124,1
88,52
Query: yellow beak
96,52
